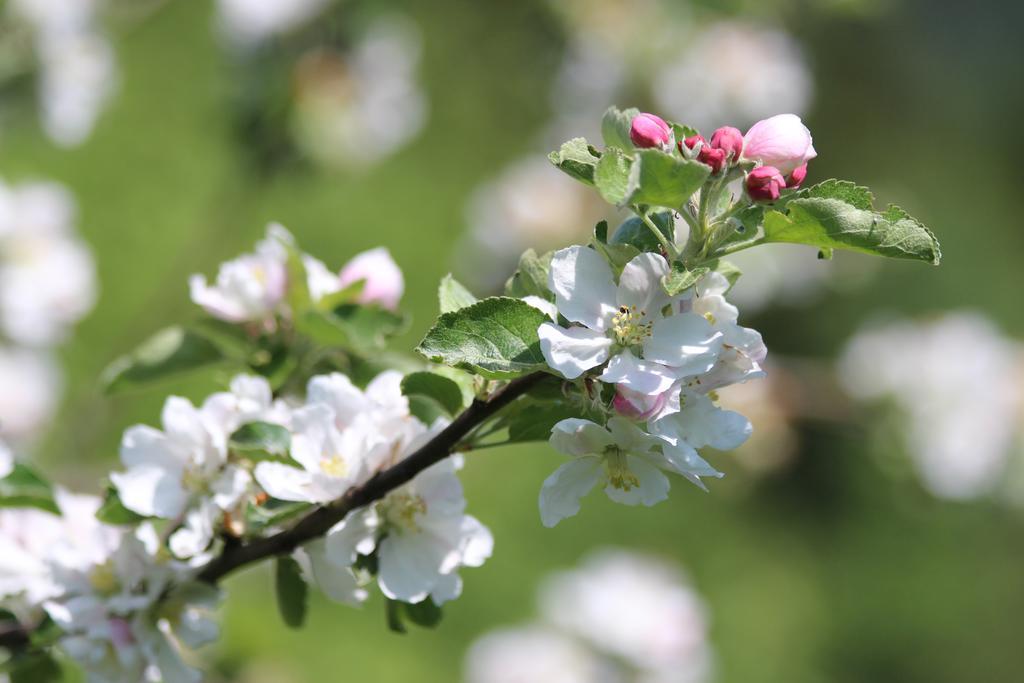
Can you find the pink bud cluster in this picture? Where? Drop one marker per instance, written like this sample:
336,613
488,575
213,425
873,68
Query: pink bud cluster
781,146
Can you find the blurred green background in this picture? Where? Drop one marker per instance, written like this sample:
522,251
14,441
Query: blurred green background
824,570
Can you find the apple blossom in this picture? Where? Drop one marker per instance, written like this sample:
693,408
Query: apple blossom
618,319
796,178
420,535
248,288
383,282
625,459
781,141
649,130
534,653
765,184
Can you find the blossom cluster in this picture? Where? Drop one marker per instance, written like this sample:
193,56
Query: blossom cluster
619,617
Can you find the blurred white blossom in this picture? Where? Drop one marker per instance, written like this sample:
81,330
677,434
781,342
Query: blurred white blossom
620,617
30,387
78,73
47,275
357,107
956,381
246,22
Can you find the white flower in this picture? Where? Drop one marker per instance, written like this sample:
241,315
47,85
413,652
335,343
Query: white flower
182,473
47,275
6,460
421,537
734,71
743,350
383,283
251,21
534,654
634,608
332,461
616,319
248,288
955,380
626,460
30,386
356,107
121,620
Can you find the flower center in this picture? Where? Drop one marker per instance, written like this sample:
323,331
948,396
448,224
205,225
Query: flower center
629,326
619,474
334,466
103,579
401,510
710,317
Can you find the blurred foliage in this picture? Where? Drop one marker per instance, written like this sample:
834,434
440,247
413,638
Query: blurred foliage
825,571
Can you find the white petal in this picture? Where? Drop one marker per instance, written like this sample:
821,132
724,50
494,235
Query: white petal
448,587
355,535
560,495
686,342
230,486
584,286
640,284
478,543
410,566
630,437
572,351
653,485
701,423
575,436
543,305
337,582
143,445
683,459
151,491
642,376
285,482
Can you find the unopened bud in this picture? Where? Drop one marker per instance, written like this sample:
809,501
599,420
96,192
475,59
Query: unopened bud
648,130
765,183
730,140
638,406
796,178
713,157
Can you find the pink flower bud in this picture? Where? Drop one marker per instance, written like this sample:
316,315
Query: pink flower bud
765,183
796,178
384,283
713,157
730,140
781,141
691,142
649,130
637,406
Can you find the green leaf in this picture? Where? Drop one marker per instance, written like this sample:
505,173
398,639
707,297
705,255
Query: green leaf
172,351
611,176
292,591
729,270
534,422
576,158
661,179
442,391
615,126
682,131
271,513
531,279
618,255
393,614
298,297
635,232
424,613
680,278
113,511
34,667
495,337
346,295
23,487
452,295
819,219
363,329
261,439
